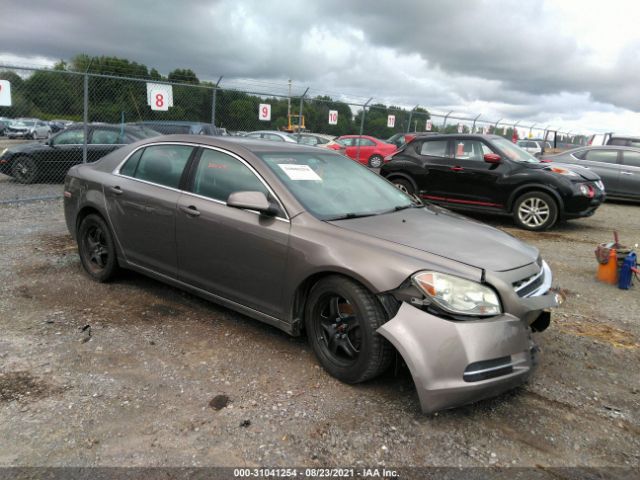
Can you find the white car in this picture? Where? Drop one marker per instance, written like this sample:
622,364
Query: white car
534,147
273,135
28,128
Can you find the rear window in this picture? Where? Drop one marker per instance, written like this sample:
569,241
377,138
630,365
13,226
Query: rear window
604,156
435,148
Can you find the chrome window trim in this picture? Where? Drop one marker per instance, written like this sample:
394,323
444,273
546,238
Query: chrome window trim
117,173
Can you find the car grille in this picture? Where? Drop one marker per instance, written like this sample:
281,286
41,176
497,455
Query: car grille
527,286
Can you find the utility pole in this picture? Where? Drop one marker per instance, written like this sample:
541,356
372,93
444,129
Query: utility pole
289,104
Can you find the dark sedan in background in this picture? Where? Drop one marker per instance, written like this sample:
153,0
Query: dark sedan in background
308,240
488,173
50,160
618,167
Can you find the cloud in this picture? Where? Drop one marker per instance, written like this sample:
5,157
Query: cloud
525,60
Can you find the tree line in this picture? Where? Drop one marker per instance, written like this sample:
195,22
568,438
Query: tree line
58,93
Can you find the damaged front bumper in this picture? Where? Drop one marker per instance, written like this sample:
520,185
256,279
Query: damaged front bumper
458,362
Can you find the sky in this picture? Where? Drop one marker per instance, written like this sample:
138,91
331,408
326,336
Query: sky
568,64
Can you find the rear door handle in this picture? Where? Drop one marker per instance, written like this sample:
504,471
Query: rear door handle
457,169
190,210
117,190
627,173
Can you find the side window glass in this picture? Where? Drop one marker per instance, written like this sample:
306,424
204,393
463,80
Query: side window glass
105,137
163,164
604,156
435,148
468,150
631,158
347,142
365,142
70,137
219,175
129,168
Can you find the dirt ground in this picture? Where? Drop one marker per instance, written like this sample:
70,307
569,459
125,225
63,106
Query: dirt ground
136,373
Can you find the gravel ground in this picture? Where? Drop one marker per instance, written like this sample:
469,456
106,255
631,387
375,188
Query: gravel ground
136,373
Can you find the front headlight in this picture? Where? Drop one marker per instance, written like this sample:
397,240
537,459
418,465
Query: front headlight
3,152
457,295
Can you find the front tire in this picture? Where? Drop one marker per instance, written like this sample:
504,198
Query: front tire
24,170
341,319
34,135
535,211
97,248
375,161
404,185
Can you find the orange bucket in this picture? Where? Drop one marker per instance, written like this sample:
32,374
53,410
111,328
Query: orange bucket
608,272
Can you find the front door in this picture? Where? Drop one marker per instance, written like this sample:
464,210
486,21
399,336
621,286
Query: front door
234,253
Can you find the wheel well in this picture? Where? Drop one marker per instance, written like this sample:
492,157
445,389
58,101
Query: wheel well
302,293
403,176
534,188
84,212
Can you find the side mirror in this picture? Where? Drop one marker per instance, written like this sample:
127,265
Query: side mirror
252,201
492,158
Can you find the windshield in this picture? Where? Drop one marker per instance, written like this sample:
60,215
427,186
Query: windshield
513,151
22,124
333,187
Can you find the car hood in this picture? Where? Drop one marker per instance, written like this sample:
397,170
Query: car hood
438,231
584,173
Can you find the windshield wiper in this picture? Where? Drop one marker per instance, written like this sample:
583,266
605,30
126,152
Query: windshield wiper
347,216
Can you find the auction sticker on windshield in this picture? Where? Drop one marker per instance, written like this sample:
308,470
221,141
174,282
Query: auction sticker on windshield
299,172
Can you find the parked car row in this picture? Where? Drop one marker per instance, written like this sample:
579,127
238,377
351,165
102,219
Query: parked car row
31,128
50,160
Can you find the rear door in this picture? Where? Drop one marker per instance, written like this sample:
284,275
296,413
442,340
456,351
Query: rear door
367,148
606,163
630,174
142,199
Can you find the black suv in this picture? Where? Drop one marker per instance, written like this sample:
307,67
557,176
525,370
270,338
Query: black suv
488,173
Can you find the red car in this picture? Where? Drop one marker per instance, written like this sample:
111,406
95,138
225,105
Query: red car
372,150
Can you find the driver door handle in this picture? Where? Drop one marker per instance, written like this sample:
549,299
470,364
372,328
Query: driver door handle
117,190
191,210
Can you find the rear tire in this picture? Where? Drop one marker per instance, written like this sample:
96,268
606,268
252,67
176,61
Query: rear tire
97,249
341,319
24,170
535,211
375,161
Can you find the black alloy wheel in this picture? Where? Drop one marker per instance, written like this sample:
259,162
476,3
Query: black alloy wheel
341,320
24,170
96,247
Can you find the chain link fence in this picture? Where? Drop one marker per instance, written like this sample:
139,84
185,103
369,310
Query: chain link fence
53,119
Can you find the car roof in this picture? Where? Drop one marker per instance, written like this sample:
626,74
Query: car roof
171,122
237,144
